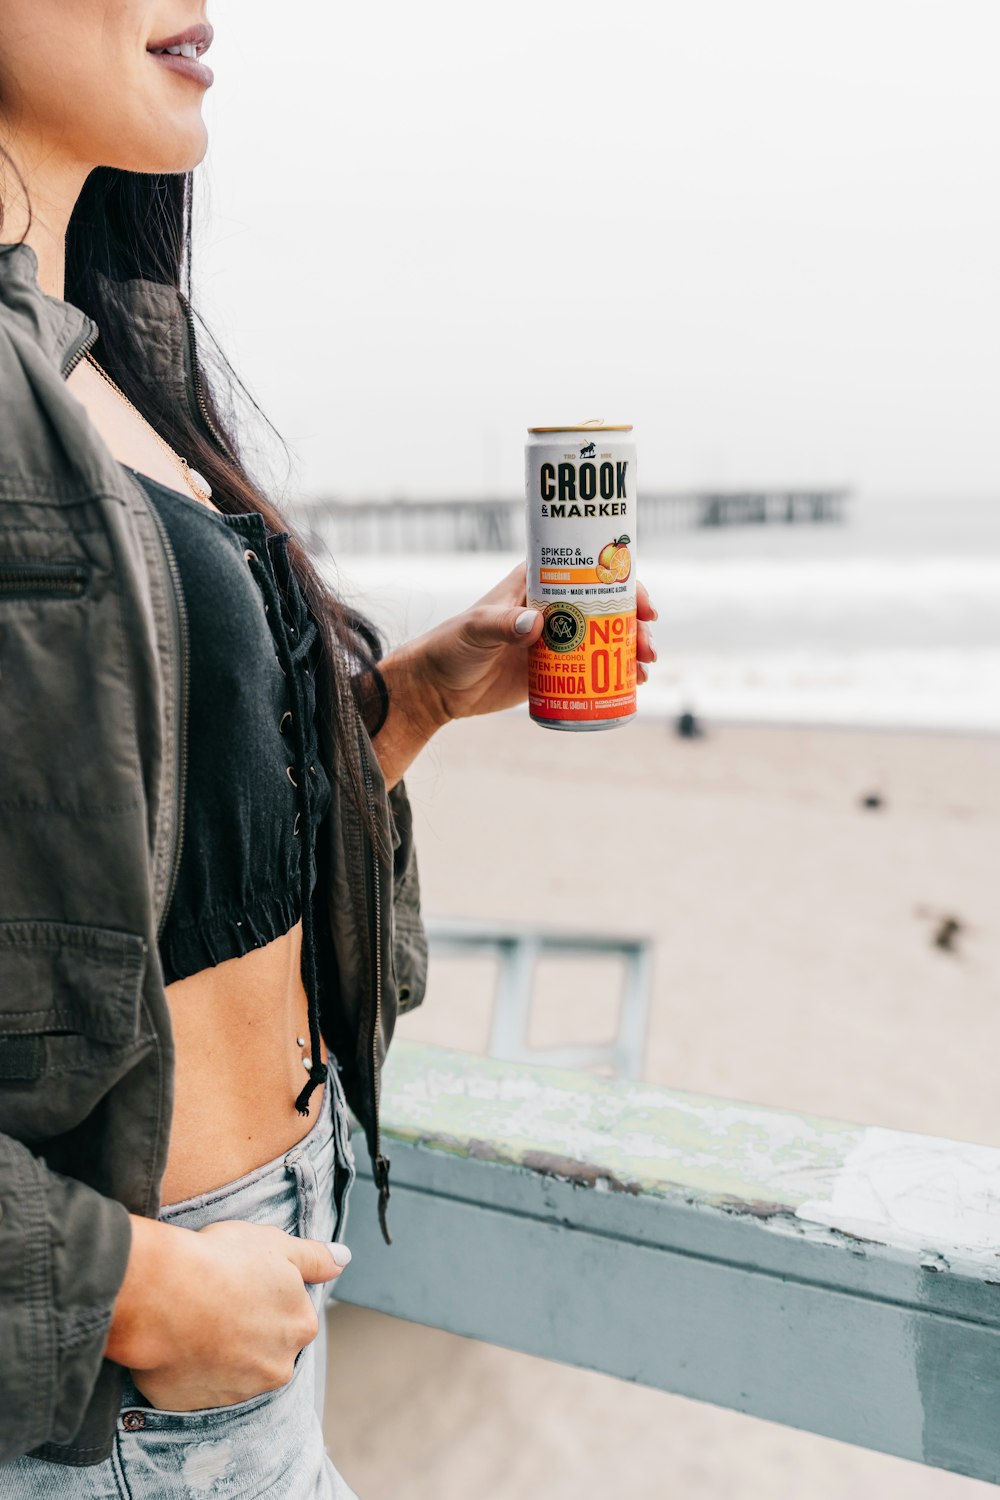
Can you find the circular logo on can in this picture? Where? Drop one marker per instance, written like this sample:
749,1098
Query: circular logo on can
565,626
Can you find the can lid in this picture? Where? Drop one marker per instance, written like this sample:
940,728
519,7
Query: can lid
595,424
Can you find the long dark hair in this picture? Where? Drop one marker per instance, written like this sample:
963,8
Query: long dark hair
132,224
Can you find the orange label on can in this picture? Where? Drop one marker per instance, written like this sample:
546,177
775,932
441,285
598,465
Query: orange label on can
566,575
588,672
580,489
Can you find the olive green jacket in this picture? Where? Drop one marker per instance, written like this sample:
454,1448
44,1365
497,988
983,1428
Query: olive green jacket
93,694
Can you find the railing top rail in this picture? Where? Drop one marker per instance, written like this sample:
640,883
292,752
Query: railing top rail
458,932
826,1179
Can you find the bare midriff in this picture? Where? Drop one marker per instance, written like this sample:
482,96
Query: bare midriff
238,1067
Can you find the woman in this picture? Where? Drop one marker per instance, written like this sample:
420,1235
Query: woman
209,916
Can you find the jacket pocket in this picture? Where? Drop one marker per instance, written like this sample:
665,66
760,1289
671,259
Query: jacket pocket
70,1009
28,577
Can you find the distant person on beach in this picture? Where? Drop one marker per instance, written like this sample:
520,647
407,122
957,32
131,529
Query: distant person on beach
210,916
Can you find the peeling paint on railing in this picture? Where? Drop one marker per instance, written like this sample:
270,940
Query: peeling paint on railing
862,1182
916,1191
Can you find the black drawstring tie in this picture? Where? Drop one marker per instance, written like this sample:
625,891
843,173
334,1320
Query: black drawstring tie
317,1075
382,1183
317,1068
307,634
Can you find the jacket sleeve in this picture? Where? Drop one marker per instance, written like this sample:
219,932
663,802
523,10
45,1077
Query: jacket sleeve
56,1298
409,935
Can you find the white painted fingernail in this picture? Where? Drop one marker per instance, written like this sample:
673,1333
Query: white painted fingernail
525,621
650,637
340,1253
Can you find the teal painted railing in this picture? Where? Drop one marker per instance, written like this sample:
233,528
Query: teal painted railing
835,1277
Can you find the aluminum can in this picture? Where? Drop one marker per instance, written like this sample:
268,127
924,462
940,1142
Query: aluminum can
581,537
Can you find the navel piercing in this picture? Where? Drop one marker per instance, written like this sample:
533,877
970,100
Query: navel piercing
307,1062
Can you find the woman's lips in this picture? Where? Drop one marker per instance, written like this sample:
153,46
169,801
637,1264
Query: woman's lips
190,67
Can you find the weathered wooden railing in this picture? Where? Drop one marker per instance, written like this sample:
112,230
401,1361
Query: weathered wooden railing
835,1277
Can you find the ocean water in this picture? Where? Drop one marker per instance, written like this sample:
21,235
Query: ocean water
890,619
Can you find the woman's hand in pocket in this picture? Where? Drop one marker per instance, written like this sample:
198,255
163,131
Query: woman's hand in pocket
216,1316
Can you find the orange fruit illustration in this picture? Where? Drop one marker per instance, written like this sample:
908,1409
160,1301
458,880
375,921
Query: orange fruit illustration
621,564
614,562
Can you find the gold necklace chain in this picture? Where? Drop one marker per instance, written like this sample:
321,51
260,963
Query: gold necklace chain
196,482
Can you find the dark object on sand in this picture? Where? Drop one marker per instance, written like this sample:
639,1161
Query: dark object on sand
946,934
688,727
872,801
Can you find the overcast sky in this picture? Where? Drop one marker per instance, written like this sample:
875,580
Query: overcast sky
765,231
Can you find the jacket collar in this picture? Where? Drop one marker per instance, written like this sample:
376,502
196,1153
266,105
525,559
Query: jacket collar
155,316
58,327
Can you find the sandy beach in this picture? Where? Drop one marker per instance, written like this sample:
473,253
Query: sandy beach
796,964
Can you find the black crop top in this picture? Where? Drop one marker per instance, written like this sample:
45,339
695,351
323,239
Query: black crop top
254,788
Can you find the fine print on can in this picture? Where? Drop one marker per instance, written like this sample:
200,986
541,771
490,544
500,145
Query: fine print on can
581,533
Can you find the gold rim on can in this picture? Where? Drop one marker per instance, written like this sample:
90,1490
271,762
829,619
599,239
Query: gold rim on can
595,424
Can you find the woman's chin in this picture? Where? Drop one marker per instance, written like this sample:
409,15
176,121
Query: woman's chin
178,147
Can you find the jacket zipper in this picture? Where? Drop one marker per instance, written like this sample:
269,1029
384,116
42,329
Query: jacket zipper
67,579
182,717
87,340
380,1162
199,392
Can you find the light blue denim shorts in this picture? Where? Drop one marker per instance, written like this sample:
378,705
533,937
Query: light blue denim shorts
269,1445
